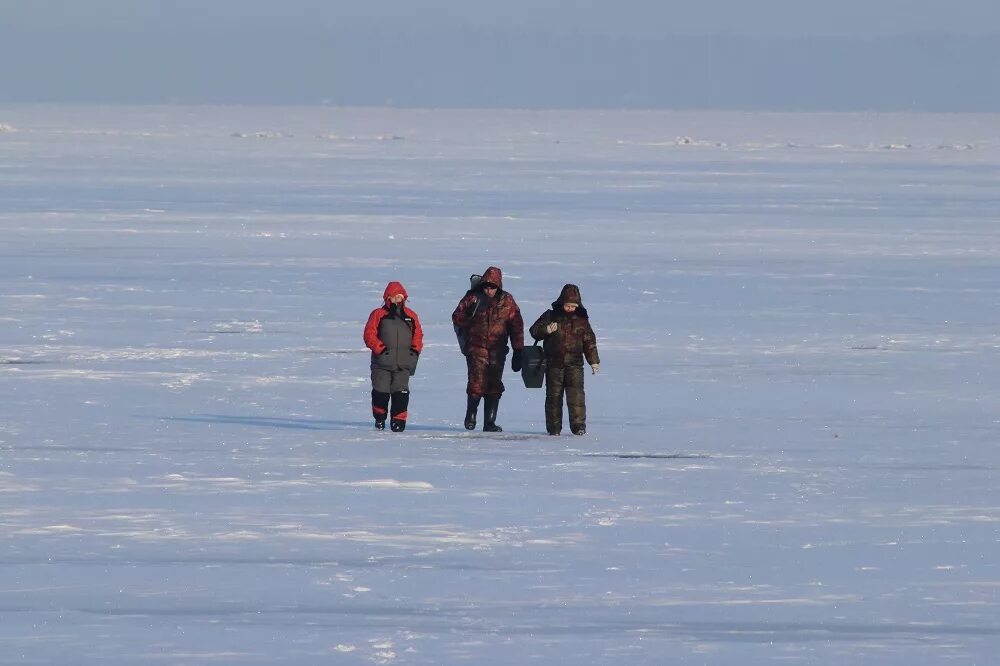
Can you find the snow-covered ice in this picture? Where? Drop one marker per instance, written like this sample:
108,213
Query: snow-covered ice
792,453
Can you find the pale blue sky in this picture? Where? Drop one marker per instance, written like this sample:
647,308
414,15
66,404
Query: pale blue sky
769,54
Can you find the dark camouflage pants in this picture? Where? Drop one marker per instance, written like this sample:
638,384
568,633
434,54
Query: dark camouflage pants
568,381
485,374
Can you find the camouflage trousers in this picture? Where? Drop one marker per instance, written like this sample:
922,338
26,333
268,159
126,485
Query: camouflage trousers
485,374
566,381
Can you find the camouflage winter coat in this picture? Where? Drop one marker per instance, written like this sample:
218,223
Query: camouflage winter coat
488,323
574,340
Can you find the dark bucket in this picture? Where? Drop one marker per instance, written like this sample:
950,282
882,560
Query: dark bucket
533,366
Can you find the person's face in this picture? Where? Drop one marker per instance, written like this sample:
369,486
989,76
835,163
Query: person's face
396,299
570,308
490,289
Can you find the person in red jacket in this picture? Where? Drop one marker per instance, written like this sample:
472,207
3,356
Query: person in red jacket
486,318
394,335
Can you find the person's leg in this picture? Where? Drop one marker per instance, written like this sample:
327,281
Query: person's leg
494,375
576,400
400,390
554,389
381,387
491,405
471,407
492,392
474,389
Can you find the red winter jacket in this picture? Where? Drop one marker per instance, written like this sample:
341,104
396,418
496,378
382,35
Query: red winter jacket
399,339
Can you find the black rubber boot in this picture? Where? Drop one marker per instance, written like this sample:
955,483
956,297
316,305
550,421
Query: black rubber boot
380,408
397,413
471,408
490,414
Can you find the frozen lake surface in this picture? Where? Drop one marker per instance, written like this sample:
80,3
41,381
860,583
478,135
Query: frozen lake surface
793,448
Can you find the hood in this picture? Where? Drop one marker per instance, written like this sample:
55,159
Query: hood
570,294
392,289
493,275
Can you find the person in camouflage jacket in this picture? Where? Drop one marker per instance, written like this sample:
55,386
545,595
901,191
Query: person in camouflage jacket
568,339
488,317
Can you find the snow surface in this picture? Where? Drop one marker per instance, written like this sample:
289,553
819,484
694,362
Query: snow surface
792,454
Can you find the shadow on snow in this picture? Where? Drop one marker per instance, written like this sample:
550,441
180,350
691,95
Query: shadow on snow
328,424
271,422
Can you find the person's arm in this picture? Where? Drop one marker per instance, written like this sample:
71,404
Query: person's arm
590,348
464,311
515,327
372,341
418,333
539,330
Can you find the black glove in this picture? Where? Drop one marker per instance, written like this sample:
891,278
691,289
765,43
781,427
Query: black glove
385,352
515,361
414,351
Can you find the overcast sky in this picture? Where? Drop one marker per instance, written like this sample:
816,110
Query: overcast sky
754,54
